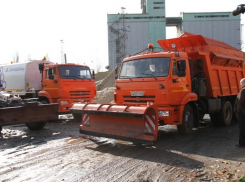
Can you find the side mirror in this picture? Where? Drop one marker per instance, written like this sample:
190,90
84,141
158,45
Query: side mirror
93,74
40,67
50,76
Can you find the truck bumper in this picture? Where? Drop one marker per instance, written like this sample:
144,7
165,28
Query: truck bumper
65,104
174,117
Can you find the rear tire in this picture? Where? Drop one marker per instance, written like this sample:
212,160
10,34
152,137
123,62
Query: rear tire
187,121
226,114
224,117
36,125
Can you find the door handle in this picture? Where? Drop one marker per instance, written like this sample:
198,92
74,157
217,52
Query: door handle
175,81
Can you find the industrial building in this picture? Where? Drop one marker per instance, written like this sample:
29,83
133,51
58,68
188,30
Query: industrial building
222,26
128,33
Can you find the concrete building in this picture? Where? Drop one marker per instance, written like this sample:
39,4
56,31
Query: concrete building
128,33
222,26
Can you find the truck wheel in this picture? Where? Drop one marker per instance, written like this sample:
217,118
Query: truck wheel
45,102
36,125
226,114
187,120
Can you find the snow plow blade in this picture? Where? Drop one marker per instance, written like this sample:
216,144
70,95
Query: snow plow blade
130,123
31,112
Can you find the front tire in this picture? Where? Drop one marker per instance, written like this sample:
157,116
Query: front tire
187,120
36,125
45,102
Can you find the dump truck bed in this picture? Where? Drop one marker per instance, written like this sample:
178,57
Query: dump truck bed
222,65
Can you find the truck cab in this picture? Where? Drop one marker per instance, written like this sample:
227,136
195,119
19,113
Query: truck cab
156,78
66,84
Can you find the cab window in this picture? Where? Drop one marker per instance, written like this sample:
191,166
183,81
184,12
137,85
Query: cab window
175,71
54,73
176,67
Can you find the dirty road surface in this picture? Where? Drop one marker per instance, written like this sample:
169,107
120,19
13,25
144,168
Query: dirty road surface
59,153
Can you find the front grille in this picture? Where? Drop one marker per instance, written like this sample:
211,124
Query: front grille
139,99
80,95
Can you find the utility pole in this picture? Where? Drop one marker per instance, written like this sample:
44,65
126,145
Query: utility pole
123,36
241,36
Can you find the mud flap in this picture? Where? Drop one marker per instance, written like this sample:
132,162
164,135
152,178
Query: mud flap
130,123
31,112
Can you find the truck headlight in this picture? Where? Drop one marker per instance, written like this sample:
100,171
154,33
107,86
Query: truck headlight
163,113
64,102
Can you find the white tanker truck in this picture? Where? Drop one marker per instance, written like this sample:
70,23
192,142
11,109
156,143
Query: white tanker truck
16,84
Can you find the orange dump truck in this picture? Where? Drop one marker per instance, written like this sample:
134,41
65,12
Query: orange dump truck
192,76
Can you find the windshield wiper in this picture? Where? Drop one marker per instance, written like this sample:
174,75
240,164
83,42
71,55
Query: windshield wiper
126,77
150,74
74,77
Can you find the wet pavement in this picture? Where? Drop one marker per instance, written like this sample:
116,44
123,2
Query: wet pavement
59,153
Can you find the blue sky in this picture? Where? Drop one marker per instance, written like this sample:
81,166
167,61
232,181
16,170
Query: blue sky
34,28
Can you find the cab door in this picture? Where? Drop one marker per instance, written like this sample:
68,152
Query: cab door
179,86
50,82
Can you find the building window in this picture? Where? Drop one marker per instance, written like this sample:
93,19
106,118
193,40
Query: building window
143,17
158,7
157,16
158,2
210,16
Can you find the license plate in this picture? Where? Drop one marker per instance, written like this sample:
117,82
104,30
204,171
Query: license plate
137,93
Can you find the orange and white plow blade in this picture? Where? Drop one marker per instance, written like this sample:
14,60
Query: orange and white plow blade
131,123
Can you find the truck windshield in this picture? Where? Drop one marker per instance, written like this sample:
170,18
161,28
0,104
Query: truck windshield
147,67
74,72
